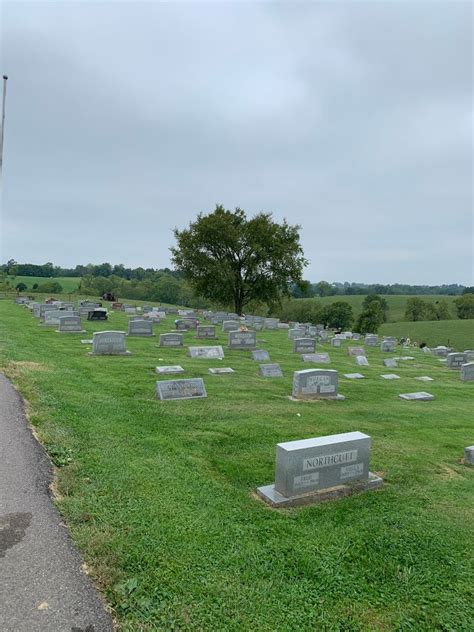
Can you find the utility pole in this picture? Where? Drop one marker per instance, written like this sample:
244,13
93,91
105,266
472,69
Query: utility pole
5,78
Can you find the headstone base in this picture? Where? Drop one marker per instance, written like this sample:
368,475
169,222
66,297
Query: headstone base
271,497
338,398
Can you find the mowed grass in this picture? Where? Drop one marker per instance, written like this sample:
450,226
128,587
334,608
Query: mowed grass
458,333
159,496
396,303
69,284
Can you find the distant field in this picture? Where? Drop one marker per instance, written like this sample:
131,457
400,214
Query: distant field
396,304
69,284
459,334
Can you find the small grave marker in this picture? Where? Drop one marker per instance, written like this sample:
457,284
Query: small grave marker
316,358
70,324
424,378
354,376
467,372
140,327
206,331
260,355
169,370
355,351
469,455
221,370
419,396
390,363
180,389
206,353
362,361
270,370
390,376
455,360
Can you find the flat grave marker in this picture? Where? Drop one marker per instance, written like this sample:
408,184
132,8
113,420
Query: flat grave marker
221,370
355,351
390,376
419,396
424,378
362,361
270,370
169,370
354,376
206,353
316,358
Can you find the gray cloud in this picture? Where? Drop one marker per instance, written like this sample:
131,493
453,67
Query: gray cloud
353,120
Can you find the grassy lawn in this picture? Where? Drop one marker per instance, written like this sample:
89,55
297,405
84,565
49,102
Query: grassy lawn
396,304
457,333
69,284
159,496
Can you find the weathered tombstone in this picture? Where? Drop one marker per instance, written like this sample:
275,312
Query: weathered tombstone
469,355
270,370
260,355
304,345
420,396
171,340
207,353
469,455
169,370
206,331
52,316
323,336
315,384
455,360
424,378
353,376
312,470
109,343
355,351
181,389
467,372
242,340
390,376
294,333
440,351
271,323
426,350
371,340
283,326
117,306
355,336
362,360
316,358
140,327
388,346
221,370
184,324
70,324
336,342
390,363
129,310
97,314
230,325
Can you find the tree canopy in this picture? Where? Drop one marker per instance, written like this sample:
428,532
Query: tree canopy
233,260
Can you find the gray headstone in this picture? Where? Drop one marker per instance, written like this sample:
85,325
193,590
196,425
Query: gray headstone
353,376
455,360
169,370
371,340
230,325
469,455
271,323
171,340
270,370
70,324
362,361
304,345
388,346
316,358
336,342
207,353
181,389
424,378
221,370
390,376
316,384
295,333
420,396
242,340
469,355
467,372
109,343
206,331
260,355
184,324
440,352
355,351
140,328
390,363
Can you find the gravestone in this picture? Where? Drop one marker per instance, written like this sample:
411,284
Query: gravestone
304,345
52,316
371,340
353,376
270,370
362,360
171,340
242,340
283,326
355,351
469,455
424,378
469,355
295,333
426,350
420,396
316,358
129,310
221,370
355,336
70,324
185,324
260,355
388,346
323,336
455,360
440,352
169,370
140,328
117,306
206,331
271,323
109,343
230,325
312,470
206,353
390,363
97,314
390,376
315,384
181,389
467,372
336,342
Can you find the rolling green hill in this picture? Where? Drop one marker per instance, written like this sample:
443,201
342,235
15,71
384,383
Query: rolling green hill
459,333
69,284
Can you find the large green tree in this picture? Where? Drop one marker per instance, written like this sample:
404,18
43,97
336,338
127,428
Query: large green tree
233,260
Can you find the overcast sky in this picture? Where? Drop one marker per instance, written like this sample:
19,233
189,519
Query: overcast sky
352,119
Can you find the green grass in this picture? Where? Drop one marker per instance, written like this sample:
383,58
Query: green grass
159,496
396,304
69,284
458,333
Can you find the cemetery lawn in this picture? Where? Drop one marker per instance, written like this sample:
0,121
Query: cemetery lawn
159,496
69,284
456,333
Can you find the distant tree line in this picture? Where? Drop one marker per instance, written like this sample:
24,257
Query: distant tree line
307,289
420,309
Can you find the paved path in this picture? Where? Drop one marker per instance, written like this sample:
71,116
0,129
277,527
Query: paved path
42,586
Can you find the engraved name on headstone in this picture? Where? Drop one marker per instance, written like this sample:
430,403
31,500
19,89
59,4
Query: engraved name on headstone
242,340
455,360
206,353
70,324
109,343
316,384
180,389
171,340
206,331
304,345
140,327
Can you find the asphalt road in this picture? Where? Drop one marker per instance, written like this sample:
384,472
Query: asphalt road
42,585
